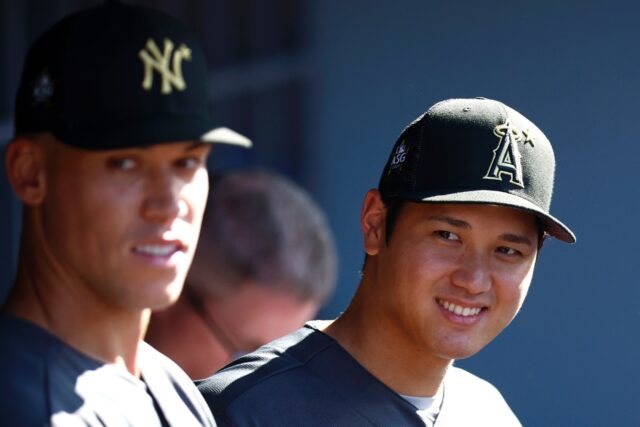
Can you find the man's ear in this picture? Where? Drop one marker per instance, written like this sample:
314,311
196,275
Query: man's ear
372,222
24,163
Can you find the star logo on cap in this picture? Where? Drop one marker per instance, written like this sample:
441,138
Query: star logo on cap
528,138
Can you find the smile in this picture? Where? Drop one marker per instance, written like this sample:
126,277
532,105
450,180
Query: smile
459,310
156,250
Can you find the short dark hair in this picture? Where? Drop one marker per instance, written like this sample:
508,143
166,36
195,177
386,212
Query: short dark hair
393,207
261,227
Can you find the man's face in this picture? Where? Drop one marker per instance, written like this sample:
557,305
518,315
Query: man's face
453,275
124,224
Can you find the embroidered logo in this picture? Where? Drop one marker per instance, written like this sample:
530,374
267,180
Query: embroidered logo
154,60
43,87
399,156
506,156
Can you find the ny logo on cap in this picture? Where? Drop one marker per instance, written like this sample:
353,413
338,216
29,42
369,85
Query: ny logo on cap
153,59
506,156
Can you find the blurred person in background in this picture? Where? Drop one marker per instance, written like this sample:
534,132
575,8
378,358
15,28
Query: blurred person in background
265,264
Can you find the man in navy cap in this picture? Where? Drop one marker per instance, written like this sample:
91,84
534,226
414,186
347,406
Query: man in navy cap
112,134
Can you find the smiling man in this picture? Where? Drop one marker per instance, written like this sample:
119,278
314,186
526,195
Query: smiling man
109,162
451,237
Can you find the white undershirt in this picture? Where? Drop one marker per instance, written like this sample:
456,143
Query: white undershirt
427,408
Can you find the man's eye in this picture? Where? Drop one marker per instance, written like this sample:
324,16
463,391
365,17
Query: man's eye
508,251
189,163
123,163
447,235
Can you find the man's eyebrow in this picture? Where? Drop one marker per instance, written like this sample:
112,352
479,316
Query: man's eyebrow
196,145
451,221
516,238
507,237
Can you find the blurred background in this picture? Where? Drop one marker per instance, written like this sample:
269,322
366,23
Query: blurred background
325,87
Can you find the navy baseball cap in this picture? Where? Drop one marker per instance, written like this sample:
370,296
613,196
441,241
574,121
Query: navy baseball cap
475,151
118,76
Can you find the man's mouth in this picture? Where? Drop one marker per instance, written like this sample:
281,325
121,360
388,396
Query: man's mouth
160,250
459,310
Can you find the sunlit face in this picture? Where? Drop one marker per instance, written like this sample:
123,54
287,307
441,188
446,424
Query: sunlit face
453,275
124,223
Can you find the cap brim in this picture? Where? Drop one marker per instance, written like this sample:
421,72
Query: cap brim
552,225
144,133
226,136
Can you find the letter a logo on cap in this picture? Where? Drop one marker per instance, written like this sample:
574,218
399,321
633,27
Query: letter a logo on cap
153,59
506,156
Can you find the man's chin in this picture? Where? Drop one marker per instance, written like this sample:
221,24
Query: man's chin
460,352
165,297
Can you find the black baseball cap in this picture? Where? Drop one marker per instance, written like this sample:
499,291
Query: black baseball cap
476,151
118,76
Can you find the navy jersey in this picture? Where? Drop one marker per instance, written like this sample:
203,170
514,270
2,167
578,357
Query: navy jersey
45,382
308,379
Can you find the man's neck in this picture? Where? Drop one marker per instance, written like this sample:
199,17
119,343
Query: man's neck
399,364
77,318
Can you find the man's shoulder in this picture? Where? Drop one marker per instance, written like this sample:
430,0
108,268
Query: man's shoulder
469,397
45,381
274,385
25,362
305,378
17,335
276,359
26,350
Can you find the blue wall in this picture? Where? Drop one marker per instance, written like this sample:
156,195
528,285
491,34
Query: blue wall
571,357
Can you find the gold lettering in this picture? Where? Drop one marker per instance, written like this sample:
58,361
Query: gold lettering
153,59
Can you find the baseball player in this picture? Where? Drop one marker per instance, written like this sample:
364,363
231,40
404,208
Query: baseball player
264,265
108,160
451,237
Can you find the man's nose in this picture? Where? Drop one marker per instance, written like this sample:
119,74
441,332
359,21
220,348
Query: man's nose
472,274
162,202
